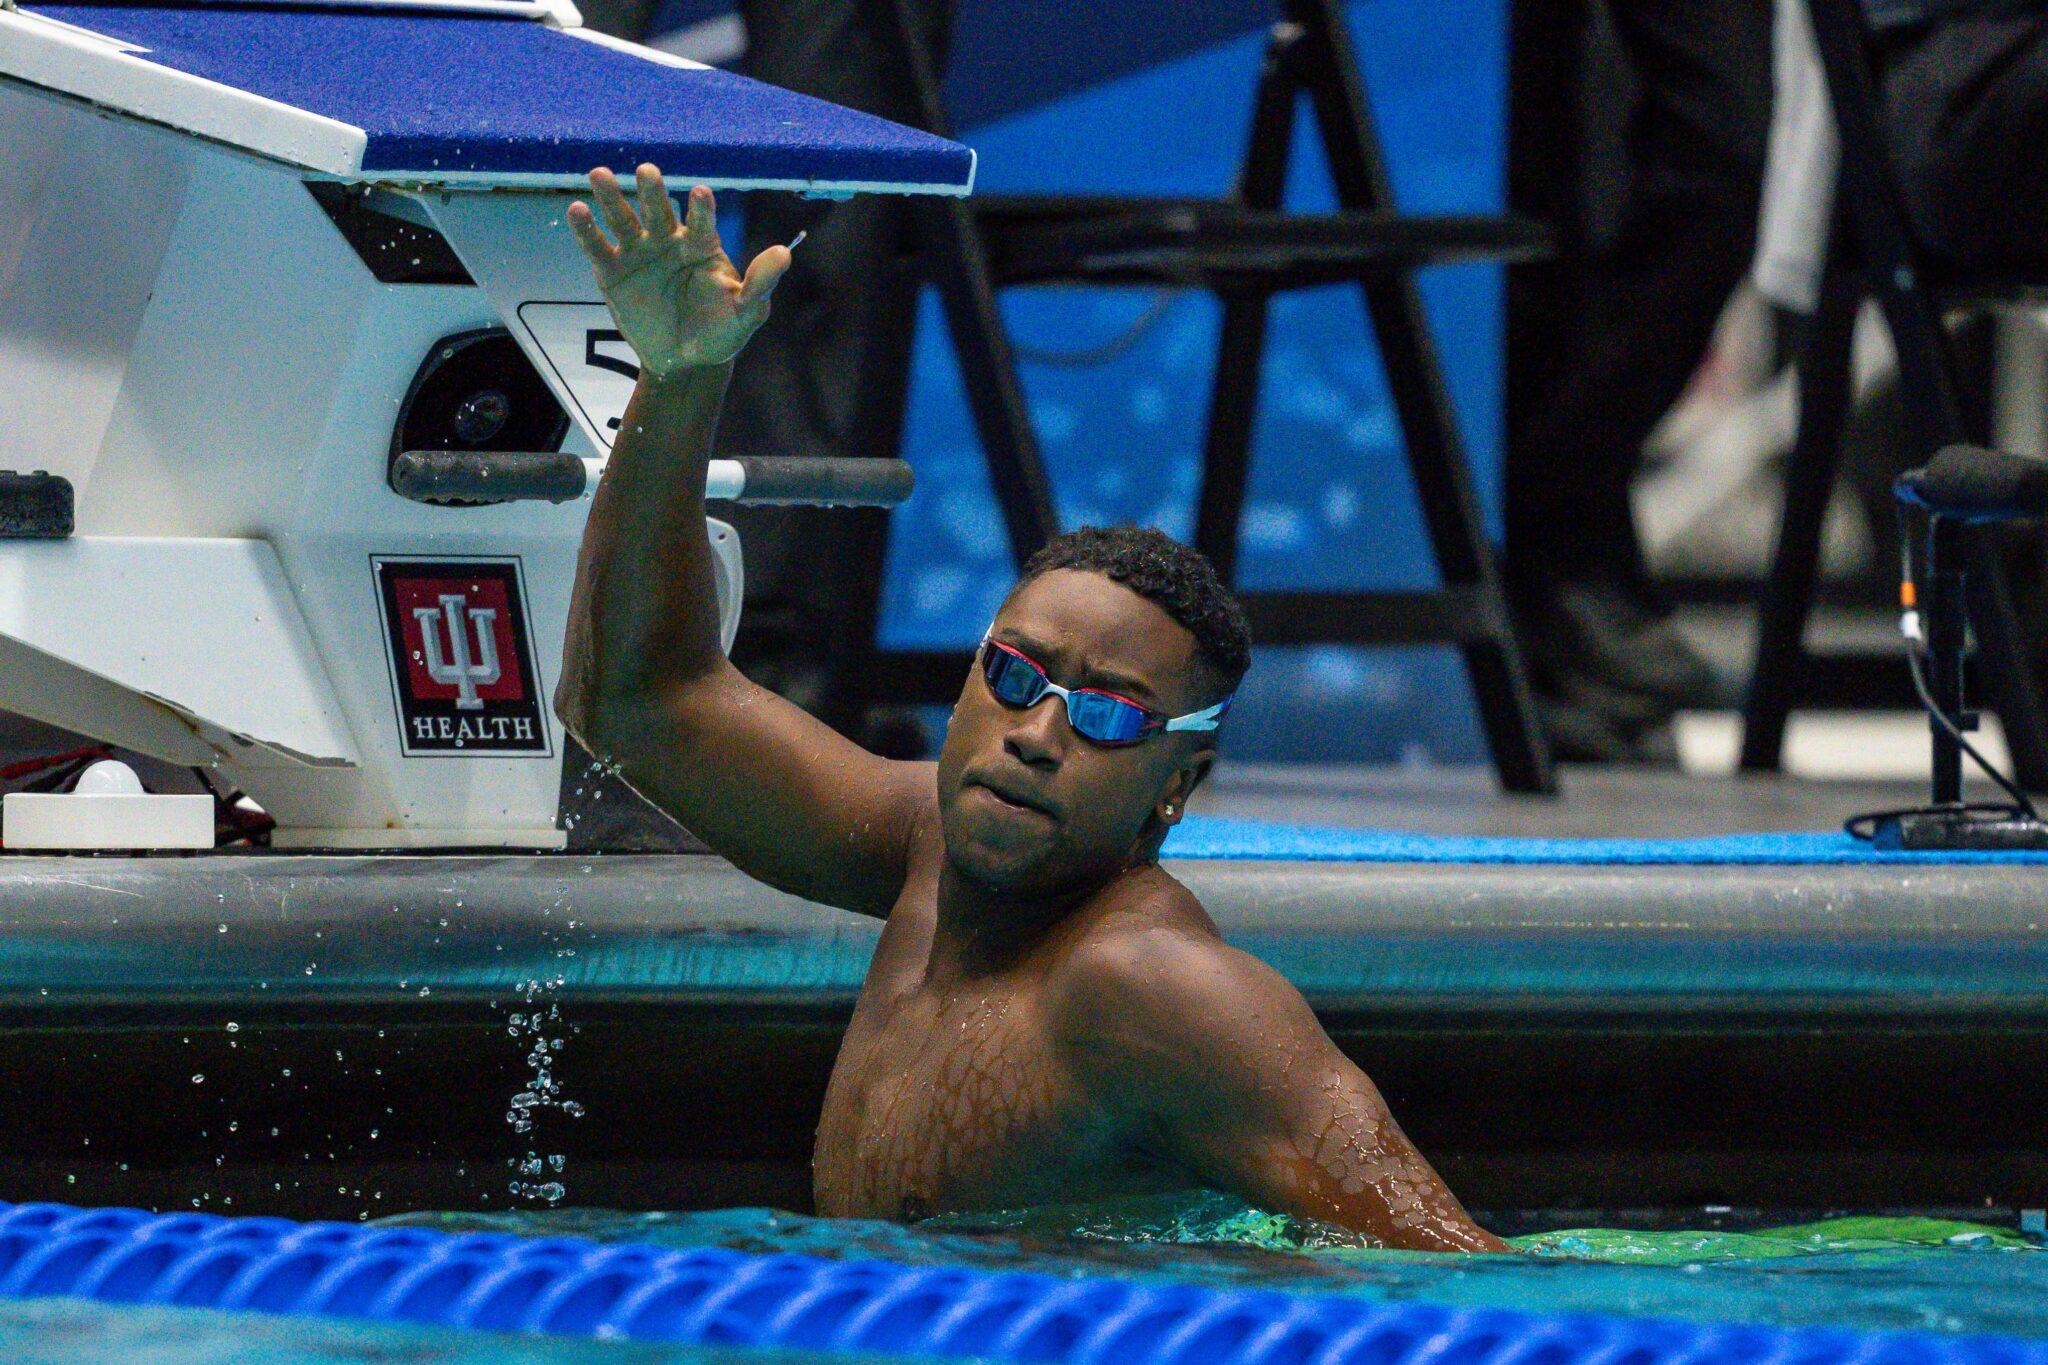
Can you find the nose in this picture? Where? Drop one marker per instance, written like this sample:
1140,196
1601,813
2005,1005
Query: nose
1036,738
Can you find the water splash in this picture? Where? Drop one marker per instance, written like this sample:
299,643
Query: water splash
538,1025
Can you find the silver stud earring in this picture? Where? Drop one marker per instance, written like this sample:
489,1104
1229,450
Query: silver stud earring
1169,810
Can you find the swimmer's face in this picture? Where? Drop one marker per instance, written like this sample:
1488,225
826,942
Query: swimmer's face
1029,807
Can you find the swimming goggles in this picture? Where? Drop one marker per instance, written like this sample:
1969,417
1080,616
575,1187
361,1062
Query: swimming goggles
1097,716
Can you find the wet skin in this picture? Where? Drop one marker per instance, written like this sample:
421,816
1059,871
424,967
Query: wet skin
1048,1015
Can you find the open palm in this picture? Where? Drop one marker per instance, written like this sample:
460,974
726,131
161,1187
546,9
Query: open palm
671,287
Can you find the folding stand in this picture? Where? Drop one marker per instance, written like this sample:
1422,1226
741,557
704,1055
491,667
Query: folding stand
1245,249
1872,253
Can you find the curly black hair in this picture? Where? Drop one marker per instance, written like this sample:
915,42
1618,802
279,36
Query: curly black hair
1176,578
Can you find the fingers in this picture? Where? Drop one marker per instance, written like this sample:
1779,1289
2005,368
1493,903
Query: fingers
701,225
589,235
657,212
763,275
618,214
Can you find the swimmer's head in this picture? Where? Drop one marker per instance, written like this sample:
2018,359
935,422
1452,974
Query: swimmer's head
1030,806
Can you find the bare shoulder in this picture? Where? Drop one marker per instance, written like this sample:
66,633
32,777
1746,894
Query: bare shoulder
1148,969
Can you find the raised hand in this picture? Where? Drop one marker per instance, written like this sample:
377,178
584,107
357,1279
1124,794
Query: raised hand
672,289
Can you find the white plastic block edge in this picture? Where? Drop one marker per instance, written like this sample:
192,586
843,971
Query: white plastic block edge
51,820
89,66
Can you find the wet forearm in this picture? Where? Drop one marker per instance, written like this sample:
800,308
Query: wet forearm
644,613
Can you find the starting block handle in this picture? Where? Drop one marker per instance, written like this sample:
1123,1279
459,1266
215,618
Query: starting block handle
812,481
471,478
462,478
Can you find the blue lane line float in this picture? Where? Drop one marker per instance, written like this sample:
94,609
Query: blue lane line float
571,1287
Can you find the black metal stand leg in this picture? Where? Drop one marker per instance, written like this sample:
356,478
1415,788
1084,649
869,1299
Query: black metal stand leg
877,426
1241,347
1795,565
1946,638
1436,457
1233,412
1926,371
988,365
2007,673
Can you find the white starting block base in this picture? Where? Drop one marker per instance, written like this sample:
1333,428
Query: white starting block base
245,589
76,820
540,837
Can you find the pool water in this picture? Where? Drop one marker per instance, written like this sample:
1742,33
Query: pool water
70,1332
1875,1273
1878,1273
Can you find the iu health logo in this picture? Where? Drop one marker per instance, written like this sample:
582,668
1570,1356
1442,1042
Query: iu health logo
461,660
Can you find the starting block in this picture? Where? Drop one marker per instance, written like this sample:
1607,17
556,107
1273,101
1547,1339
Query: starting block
307,381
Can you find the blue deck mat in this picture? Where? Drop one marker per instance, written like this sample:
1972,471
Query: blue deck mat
1210,837
570,1287
453,93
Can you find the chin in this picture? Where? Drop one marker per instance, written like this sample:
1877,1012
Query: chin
1005,866
991,866
993,875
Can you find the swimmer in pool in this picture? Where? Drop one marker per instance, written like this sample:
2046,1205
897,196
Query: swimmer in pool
1049,1015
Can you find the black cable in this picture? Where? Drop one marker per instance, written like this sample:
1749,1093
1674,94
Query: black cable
2020,799
1916,649
1115,348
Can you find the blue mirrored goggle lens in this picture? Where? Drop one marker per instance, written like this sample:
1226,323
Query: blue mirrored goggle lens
1094,715
1104,719
1010,678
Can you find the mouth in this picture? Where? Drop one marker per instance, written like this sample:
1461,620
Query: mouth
1010,799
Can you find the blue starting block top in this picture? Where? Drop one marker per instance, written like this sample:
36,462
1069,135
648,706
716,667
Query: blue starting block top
457,94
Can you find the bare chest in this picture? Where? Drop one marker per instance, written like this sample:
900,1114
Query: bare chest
943,1101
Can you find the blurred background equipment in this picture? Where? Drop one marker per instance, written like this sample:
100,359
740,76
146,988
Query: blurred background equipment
1638,129
1925,102
1245,247
1962,490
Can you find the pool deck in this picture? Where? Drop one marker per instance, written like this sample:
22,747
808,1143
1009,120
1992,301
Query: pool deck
1417,939
329,1034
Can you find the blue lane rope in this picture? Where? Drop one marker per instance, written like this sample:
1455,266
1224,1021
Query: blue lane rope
571,1287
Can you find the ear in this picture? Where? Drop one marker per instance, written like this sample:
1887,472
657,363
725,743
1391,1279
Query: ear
1180,785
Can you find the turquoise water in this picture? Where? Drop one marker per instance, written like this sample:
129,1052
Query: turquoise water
1898,1273
68,1332
1876,1273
